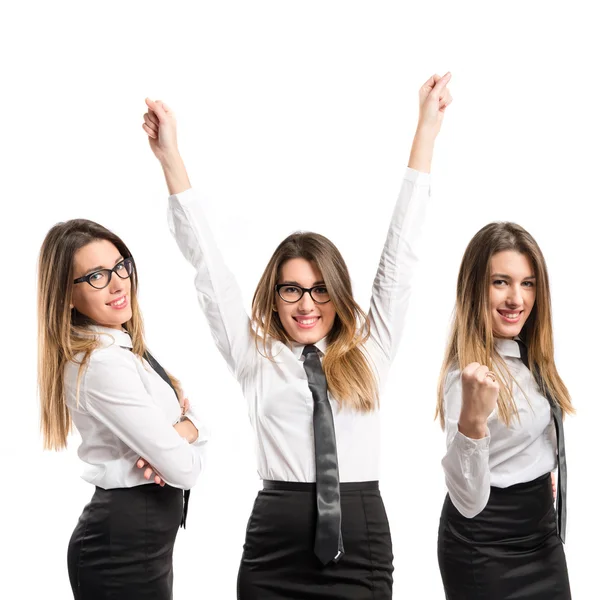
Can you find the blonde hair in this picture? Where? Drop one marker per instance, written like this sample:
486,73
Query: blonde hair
63,332
349,375
472,339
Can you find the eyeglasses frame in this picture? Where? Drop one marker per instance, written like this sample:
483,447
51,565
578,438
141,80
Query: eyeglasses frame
304,291
86,278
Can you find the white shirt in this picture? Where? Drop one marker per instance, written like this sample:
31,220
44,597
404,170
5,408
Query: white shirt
280,403
127,411
509,455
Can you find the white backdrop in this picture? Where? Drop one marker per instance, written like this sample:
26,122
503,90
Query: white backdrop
293,115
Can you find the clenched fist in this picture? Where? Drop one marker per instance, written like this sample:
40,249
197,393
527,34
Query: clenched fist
161,127
479,397
434,97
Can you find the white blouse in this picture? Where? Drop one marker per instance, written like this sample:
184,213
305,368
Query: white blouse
521,452
280,404
127,411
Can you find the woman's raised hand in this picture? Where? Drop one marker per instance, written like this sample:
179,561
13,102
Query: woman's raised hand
434,98
479,398
161,127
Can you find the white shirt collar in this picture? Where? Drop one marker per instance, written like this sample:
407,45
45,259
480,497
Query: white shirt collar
297,349
108,336
507,348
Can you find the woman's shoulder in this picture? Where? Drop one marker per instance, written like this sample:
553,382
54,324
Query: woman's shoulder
98,363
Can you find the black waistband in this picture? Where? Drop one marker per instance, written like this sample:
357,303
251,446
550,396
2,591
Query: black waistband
149,488
540,482
298,486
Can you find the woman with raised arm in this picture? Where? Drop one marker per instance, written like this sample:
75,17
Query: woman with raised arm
140,451
311,365
501,403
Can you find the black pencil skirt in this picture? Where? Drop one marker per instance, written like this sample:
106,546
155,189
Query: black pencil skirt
279,563
122,546
510,551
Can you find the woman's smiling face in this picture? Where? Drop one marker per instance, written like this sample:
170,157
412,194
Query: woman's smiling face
109,306
512,292
305,321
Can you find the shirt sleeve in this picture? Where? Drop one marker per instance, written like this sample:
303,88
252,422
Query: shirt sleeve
199,422
218,293
393,282
113,393
466,463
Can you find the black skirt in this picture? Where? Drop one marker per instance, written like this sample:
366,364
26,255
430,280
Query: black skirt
511,550
279,563
122,547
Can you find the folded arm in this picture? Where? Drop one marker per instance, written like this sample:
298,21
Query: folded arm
115,395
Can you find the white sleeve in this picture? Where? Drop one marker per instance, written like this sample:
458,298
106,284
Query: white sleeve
194,414
115,395
218,293
393,282
466,463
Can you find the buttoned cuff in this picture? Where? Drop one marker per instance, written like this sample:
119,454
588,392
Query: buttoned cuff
200,425
469,445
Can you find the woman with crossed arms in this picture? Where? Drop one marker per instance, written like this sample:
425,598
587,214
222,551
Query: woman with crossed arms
95,372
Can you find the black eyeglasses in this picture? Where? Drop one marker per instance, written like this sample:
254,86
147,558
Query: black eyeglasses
100,279
293,293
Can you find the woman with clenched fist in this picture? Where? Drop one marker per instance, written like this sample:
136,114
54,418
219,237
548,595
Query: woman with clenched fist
501,403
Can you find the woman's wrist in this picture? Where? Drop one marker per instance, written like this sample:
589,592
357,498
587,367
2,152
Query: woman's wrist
426,133
186,429
171,159
474,428
421,153
175,173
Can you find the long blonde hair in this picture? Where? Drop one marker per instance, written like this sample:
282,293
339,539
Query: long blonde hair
471,338
63,332
349,375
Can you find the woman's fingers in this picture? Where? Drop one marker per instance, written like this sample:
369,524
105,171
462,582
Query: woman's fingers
152,116
440,84
185,405
149,131
153,124
149,471
481,373
445,99
160,109
470,369
430,83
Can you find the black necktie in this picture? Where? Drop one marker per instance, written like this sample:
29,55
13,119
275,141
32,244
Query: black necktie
561,497
156,366
328,537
